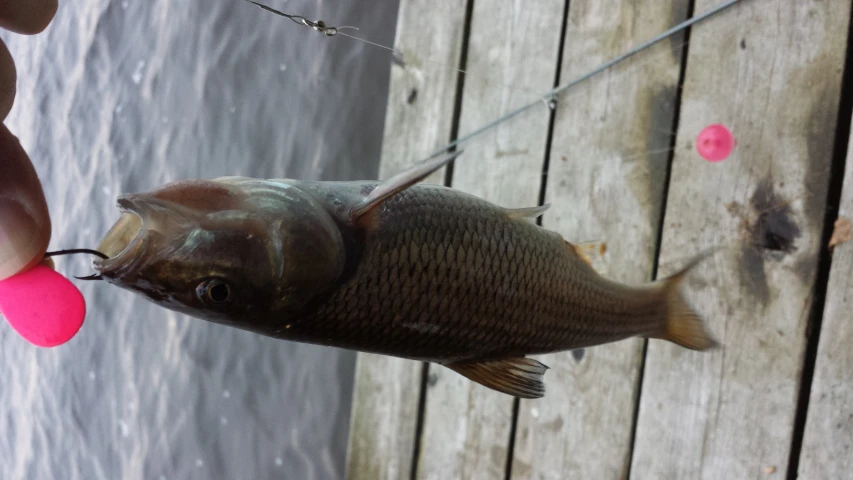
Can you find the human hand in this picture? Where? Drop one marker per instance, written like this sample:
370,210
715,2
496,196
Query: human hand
24,219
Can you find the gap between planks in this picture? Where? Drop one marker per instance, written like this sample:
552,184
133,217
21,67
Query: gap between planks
818,459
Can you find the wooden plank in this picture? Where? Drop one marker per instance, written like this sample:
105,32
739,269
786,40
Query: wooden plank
512,58
605,182
419,119
828,441
771,71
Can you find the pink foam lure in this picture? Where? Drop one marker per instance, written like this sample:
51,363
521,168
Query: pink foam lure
42,306
715,143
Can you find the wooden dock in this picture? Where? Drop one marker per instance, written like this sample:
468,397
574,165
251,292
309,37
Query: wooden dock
617,161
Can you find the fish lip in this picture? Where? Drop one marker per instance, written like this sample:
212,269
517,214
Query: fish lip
131,255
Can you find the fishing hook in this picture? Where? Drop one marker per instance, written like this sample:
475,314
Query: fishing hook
74,251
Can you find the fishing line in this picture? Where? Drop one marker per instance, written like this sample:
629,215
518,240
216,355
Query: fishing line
549,98
552,95
399,56
633,156
75,251
615,76
654,151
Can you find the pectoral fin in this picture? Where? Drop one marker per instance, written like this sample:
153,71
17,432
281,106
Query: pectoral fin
519,377
400,182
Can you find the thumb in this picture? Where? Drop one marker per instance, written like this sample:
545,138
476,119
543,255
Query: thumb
24,219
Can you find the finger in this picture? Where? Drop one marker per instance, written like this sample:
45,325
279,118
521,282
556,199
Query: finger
24,220
8,76
26,16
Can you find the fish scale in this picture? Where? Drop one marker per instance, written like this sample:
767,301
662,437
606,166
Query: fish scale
445,277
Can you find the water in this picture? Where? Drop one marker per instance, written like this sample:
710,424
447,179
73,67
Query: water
122,96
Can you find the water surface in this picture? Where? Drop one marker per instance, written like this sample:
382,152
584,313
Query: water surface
122,96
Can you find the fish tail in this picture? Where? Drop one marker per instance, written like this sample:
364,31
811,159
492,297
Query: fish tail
684,326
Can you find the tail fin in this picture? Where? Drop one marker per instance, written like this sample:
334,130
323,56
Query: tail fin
683,325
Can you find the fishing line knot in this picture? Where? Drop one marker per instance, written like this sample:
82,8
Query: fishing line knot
319,25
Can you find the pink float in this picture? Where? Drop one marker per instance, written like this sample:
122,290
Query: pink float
715,143
42,306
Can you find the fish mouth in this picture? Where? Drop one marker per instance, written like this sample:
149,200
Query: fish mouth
124,243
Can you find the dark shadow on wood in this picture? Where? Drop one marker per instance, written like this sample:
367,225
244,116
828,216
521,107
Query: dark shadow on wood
419,425
833,201
448,179
691,8
542,186
550,138
460,88
510,451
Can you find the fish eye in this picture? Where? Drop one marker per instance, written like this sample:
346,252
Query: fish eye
214,291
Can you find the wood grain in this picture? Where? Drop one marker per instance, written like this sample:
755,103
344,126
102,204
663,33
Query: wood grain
512,58
605,182
828,441
770,71
418,121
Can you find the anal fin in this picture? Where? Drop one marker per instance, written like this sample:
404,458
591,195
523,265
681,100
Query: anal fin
519,377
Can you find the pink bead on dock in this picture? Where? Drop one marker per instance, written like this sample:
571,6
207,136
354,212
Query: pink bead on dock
715,143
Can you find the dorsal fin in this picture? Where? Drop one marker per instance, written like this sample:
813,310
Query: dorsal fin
527,212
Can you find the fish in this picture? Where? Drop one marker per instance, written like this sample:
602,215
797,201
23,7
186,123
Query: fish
397,267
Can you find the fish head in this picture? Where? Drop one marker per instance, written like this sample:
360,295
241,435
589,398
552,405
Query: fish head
241,253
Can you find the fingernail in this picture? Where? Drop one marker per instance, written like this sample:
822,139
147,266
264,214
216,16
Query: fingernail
19,238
